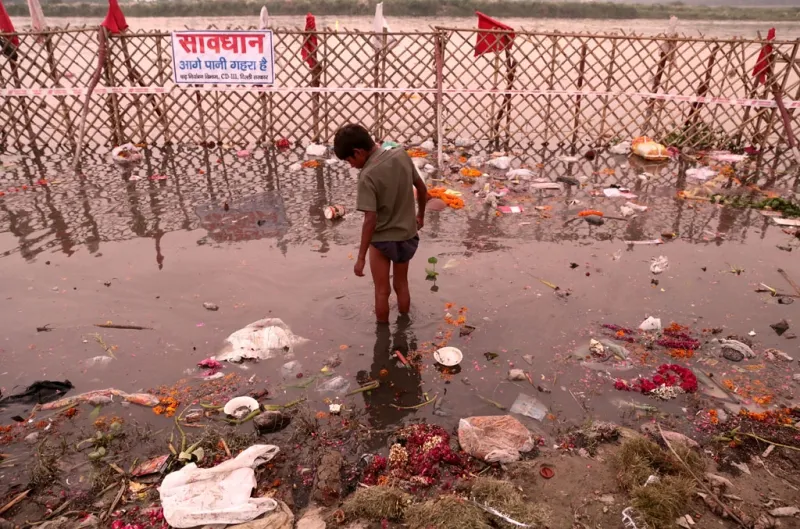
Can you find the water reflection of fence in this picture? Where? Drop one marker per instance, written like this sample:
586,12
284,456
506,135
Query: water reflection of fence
568,89
103,205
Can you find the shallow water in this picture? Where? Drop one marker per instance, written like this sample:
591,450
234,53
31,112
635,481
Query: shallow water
103,247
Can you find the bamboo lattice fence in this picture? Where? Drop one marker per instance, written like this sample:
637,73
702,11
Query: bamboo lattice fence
550,88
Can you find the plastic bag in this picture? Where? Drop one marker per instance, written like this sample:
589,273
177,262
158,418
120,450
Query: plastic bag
502,162
650,324
635,206
427,145
465,142
338,385
524,174
495,438
261,339
659,264
316,150
220,495
623,147
529,406
291,369
701,173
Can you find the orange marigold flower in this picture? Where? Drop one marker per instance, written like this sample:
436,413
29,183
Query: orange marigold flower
415,152
587,212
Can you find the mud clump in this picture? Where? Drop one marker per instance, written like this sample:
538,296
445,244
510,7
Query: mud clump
328,481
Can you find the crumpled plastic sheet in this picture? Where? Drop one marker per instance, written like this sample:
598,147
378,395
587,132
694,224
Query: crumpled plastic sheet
659,264
262,339
502,162
495,439
195,496
623,147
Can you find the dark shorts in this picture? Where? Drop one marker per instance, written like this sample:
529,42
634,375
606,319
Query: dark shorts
398,252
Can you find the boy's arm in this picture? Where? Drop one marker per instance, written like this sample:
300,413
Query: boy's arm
422,199
367,229
366,201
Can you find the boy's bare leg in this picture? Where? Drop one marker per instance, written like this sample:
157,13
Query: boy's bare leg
400,284
379,266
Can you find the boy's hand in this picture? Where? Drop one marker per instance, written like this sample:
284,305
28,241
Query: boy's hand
420,221
358,269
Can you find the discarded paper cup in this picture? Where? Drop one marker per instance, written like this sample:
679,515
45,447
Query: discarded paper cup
239,407
333,212
448,356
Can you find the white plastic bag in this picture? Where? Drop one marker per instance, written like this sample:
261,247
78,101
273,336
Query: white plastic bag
636,207
623,147
336,385
316,150
529,406
261,339
659,264
427,145
502,162
525,174
701,173
220,495
651,324
465,142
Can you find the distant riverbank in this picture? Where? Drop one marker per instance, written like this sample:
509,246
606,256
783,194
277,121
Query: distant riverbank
426,8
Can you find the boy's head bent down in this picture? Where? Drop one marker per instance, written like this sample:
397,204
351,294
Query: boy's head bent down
353,144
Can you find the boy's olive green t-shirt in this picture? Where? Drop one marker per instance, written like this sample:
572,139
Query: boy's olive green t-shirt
386,186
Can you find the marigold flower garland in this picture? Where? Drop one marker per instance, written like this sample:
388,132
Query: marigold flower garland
451,200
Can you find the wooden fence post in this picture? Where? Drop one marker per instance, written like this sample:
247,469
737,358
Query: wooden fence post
113,100
101,60
162,80
439,42
606,99
578,98
668,48
62,104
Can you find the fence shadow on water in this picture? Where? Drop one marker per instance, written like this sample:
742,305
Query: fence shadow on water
550,88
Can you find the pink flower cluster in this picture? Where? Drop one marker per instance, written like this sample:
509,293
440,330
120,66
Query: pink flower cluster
666,375
140,519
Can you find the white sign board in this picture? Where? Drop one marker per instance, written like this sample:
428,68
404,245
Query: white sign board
223,57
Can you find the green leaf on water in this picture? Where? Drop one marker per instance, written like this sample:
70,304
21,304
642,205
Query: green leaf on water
432,260
95,412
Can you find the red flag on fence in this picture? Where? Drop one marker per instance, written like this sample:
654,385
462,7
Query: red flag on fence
492,42
5,24
310,43
764,58
115,20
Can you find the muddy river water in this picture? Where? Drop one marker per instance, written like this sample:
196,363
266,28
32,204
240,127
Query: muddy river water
248,234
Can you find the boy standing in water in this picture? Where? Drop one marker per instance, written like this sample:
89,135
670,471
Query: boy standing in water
386,196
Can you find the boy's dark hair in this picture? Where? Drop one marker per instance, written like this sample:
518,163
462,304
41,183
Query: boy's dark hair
349,138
